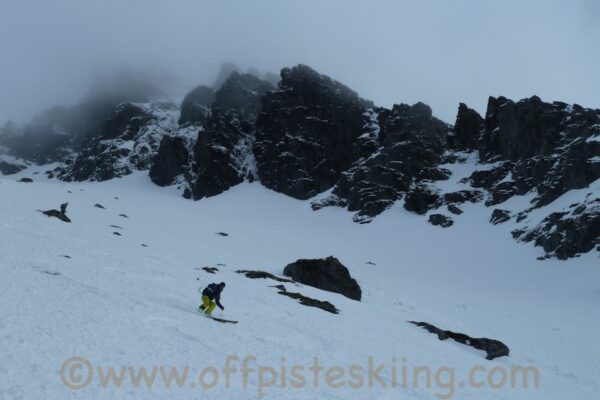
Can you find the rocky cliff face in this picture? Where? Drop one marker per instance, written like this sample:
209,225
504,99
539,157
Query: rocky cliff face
171,161
221,155
545,145
540,150
568,232
223,152
314,138
242,93
407,145
128,141
307,133
467,129
196,105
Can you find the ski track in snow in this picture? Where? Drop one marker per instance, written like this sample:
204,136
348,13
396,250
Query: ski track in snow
117,303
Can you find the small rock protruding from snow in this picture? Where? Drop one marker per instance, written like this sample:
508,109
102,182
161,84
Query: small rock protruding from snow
493,348
62,214
310,302
499,216
441,220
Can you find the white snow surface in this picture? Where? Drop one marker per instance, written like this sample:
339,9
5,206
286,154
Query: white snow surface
116,303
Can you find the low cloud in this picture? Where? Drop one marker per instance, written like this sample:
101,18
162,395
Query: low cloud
390,51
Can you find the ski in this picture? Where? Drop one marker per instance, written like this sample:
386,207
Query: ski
228,321
223,320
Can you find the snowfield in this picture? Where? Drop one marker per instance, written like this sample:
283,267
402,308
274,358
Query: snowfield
116,303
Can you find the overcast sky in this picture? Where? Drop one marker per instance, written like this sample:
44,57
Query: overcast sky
440,52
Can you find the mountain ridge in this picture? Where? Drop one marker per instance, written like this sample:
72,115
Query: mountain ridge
313,138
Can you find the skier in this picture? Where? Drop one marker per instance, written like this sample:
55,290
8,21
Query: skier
211,296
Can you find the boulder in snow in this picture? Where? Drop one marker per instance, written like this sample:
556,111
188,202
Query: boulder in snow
7,168
421,200
499,216
440,220
326,274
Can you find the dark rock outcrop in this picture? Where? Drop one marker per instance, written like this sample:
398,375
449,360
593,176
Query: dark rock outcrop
568,233
502,192
488,177
125,122
195,106
420,200
514,131
467,129
307,132
170,161
62,214
539,148
100,159
222,154
499,216
326,274
262,275
404,148
493,348
241,92
549,147
440,220
7,168
462,196
129,141
307,301
454,209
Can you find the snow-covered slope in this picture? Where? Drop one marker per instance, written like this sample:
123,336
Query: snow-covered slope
117,303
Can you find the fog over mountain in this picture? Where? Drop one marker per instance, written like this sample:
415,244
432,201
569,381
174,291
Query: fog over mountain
438,52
